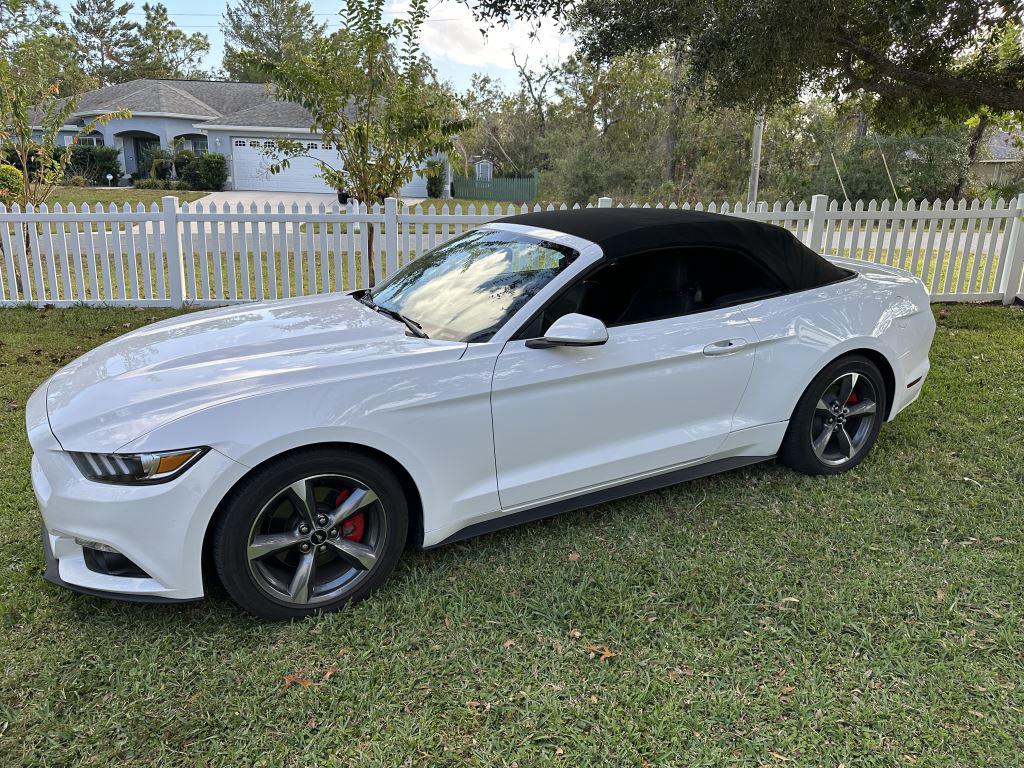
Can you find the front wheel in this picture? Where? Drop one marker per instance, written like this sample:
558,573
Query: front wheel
837,419
310,533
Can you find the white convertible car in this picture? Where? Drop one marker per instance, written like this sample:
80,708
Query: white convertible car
538,364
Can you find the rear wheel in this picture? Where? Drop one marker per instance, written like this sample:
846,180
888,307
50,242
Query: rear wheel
310,533
837,419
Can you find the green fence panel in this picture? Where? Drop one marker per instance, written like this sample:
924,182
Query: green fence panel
521,189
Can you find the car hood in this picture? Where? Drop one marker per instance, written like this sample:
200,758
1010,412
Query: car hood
129,386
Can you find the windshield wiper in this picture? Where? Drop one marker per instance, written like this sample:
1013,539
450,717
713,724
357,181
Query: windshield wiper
414,328
366,297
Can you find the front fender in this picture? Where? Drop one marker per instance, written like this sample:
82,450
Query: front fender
436,425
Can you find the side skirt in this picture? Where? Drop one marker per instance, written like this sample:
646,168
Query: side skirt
599,497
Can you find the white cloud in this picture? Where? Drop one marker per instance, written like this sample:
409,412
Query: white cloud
452,34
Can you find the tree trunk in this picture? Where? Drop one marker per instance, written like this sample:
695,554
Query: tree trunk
972,155
862,124
675,97
371,266
755,159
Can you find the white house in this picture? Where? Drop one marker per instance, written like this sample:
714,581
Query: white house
1000,160
233,119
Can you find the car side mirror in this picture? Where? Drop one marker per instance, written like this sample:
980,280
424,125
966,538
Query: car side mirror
572,330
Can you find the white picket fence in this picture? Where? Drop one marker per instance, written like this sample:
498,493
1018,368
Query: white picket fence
190,254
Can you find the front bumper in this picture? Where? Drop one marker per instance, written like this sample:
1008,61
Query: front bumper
160,528
52,575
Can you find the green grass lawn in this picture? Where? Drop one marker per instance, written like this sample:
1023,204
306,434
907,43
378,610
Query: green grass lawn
116,195
754,618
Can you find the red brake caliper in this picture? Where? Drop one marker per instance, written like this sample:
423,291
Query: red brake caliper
853,399
355,526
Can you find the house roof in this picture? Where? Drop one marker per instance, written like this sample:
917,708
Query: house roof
146,98
214,102
272,114
1003,146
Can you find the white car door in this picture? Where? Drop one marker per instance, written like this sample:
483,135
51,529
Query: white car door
657,395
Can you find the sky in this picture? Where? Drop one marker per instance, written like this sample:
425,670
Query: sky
450,37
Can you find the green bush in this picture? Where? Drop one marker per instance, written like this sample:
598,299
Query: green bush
207,172
1009,186
154,184
182,160
161,161
94,163
168,184
91,163
157,161
180,185
1006,191
435,178
10,184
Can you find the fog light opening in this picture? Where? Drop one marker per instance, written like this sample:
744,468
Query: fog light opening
110,562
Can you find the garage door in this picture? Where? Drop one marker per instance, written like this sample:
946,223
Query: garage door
250,168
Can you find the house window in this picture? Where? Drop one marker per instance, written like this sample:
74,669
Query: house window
312,145
90,141
200,146
239,142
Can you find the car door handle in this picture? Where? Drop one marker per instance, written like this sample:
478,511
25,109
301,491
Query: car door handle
724,347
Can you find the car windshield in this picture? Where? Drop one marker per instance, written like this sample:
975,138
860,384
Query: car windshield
467,288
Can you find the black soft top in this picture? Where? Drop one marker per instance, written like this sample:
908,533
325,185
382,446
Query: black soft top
625,231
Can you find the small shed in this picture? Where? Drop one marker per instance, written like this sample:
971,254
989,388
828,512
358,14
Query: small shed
484,170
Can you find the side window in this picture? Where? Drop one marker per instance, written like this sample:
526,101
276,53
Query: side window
724,277
660,284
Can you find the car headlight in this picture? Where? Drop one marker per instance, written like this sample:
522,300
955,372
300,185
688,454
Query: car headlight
136,468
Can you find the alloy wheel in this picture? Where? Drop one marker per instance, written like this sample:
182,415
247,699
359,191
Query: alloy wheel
844,417
316,540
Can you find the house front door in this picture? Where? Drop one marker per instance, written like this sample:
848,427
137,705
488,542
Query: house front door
143,146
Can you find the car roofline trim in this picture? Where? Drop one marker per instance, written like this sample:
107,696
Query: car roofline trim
578,244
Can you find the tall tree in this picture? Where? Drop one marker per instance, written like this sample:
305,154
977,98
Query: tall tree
374,97
36,43
273,30
167,51
32,115
494,134
606,127
943,57
23,19
107,39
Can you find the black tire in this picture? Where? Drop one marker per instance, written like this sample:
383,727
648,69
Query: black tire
809,447
272,552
